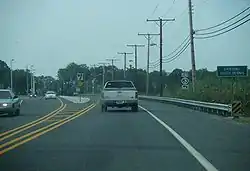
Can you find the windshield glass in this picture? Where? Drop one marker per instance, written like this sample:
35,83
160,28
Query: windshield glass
119,84
5,95
50,92
124,85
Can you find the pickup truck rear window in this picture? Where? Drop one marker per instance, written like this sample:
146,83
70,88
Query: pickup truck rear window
119,84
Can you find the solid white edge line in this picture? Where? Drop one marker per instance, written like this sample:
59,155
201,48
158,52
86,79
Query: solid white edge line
201,159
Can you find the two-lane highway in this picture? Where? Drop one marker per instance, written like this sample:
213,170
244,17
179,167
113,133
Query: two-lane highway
31,109
15,137
124,140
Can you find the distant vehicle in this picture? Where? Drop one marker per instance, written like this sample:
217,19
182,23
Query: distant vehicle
120,93
9,103
32,95
50,95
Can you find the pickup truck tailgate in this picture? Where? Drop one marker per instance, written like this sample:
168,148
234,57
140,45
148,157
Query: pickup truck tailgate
120,94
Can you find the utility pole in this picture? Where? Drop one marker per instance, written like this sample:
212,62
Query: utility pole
27,79
148,36
93,81
135,46
161,54
34,84
31,78
103,73
112,64
192,44
125,62
87,86
11,75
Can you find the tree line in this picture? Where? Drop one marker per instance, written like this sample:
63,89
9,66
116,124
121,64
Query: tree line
22,80
209,87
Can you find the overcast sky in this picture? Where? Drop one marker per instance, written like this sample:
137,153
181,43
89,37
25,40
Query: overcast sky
52,33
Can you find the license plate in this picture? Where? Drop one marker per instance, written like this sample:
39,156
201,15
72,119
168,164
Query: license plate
119,102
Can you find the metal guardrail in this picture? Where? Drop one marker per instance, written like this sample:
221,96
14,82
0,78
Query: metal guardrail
217,108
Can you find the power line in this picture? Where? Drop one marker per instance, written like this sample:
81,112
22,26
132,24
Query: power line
206,37
169,9
168,60
224,27
155,65
165,57
178,55
224,21
155,9
179,46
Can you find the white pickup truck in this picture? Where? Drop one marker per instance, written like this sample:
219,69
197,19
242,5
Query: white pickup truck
119,93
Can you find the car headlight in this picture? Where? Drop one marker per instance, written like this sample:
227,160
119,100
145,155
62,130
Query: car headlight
5,104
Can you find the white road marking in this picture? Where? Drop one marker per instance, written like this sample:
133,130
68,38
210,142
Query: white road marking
201,159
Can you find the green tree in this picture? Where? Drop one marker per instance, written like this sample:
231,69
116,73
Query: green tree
4,75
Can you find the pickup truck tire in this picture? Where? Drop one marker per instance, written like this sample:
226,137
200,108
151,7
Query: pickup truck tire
17,113
11,114
14,113
104,108
134,108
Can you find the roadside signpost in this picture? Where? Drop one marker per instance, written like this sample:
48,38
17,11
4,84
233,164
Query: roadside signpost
80,76
80,82
184,80
233,72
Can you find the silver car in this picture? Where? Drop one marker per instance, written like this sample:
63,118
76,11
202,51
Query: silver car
50,95
9,103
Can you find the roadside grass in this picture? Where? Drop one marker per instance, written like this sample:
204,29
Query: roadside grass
245,120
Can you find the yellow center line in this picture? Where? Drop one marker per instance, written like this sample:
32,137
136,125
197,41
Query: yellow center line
20,127
43,132
46,127
30,126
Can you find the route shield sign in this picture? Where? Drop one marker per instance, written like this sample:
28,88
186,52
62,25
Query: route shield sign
80,76
184,80
232,71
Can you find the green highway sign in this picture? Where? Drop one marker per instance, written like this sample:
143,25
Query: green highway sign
232,71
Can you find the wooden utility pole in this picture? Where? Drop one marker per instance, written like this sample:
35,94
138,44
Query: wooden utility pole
148,36
192,44
135,46
125,62
103,72
112,64
161,20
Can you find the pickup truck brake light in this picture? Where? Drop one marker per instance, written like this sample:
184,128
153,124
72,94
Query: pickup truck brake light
136,94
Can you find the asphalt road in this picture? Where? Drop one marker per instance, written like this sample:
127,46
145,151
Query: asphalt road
122,140
31,109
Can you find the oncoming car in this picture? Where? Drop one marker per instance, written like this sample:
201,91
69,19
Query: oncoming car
9,103
50,95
